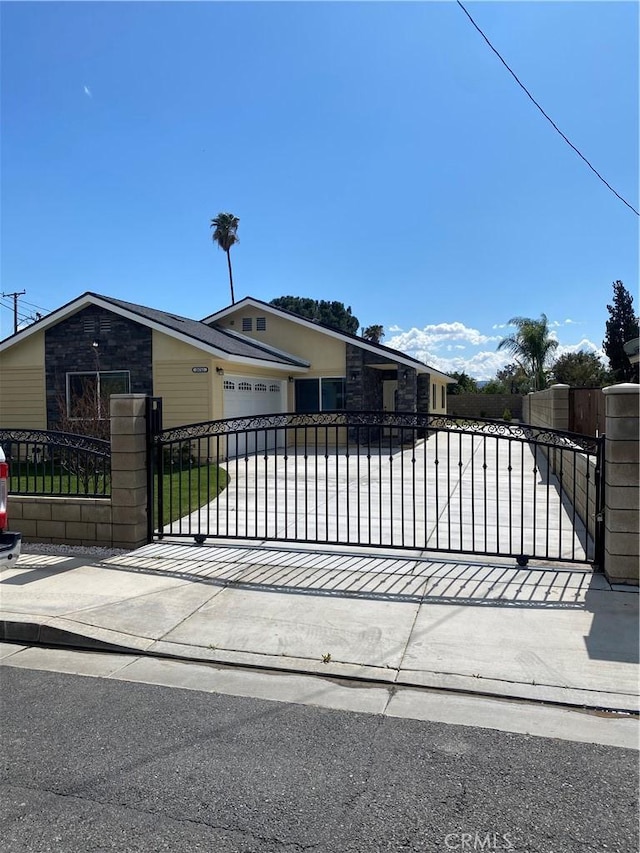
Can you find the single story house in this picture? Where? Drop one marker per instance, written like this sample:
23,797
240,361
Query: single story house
250,358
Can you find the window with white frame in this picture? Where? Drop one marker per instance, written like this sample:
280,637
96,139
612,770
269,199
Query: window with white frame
88,393
319,395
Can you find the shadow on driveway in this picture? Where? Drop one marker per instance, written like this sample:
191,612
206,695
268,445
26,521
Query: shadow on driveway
377,578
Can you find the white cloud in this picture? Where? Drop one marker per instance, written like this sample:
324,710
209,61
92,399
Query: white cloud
87,91
449,347
585,345
395,328
434,337
483,365
432,343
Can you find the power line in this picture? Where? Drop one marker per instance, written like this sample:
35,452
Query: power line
38,307
19,317
9,307
15,306
548,118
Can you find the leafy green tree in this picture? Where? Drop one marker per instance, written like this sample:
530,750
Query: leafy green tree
512,379
332,314
464,384
622,326
225,234
580,370
374,333
532,348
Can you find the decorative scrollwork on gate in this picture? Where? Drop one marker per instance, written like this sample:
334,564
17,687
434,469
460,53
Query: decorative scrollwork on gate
521,432
391,420
53,438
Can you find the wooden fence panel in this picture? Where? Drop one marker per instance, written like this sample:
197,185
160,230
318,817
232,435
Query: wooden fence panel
586,411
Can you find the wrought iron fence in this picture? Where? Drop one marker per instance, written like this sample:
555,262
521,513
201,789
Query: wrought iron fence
382,479
47,462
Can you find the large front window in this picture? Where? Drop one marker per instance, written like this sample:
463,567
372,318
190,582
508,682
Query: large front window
319,395
88,393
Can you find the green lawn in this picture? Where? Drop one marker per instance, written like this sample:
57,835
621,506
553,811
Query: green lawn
186,491
42,480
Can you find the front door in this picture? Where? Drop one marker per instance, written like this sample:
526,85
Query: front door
390,395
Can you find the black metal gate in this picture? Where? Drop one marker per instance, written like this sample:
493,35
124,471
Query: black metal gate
381,479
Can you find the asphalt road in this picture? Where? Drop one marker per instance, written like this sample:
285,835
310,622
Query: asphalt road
99,765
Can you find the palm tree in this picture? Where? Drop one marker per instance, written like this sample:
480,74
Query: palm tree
531,346
374,333
225,235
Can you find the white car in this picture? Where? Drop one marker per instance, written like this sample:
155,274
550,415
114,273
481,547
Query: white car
9,542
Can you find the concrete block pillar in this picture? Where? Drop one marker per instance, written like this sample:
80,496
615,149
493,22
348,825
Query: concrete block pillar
128,470
559,406
621,485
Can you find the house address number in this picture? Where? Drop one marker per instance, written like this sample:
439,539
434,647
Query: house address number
199,369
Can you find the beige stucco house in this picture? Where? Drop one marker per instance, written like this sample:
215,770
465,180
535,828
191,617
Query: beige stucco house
247,359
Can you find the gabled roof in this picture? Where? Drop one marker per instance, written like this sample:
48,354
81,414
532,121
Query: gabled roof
222,343
388,352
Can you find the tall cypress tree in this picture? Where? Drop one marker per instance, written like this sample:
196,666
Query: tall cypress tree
622,326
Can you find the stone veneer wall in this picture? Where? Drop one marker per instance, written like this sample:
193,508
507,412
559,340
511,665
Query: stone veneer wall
124,345
407,389
423,393
484,405
364,383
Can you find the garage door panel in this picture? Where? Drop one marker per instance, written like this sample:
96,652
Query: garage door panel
246,396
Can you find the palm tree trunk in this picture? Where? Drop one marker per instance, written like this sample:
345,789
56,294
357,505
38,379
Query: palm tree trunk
233,300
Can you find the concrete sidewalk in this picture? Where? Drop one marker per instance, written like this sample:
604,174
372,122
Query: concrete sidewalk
555,634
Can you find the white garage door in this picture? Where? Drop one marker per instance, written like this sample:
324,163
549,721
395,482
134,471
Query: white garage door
245,396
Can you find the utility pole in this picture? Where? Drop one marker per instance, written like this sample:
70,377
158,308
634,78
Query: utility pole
15,307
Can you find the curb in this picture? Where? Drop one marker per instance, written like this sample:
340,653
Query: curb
51,636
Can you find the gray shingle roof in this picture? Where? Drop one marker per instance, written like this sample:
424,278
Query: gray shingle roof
227,341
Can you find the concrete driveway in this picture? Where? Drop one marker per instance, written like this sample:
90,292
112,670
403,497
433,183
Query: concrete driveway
460,493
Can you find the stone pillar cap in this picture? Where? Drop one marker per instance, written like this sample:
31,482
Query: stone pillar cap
623,388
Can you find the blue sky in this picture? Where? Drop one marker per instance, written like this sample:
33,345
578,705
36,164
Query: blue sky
375,153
